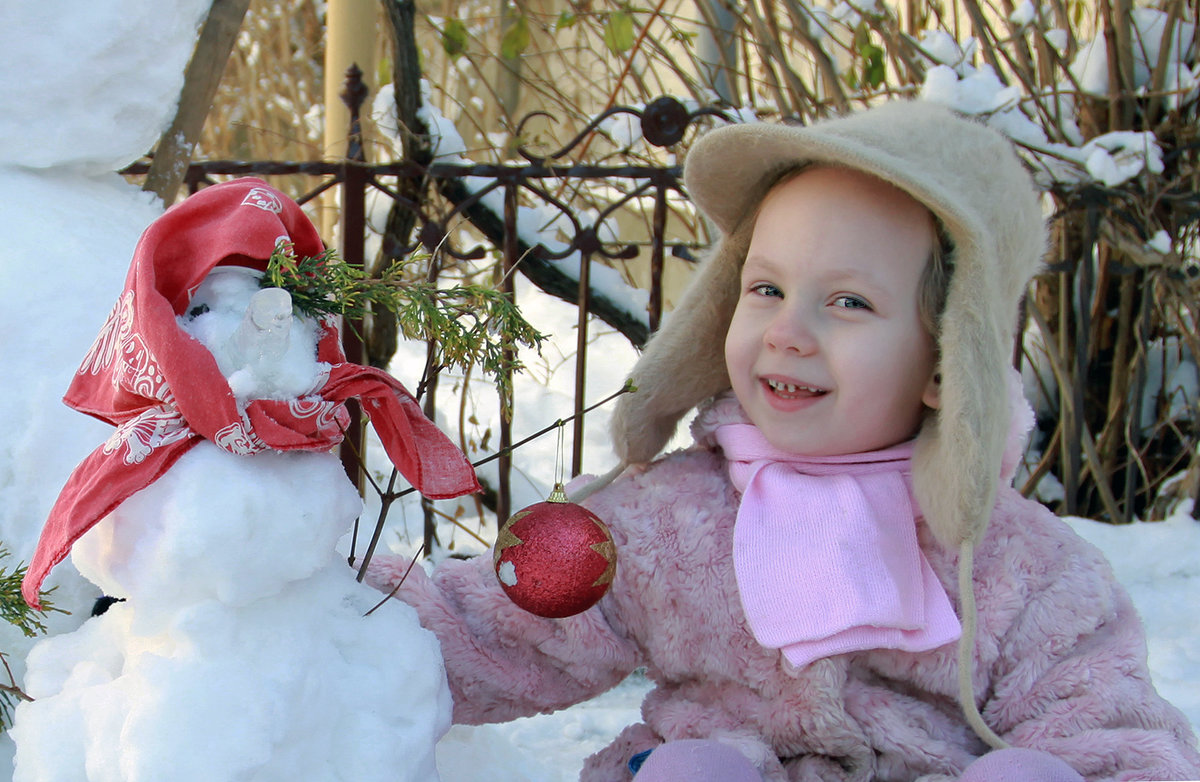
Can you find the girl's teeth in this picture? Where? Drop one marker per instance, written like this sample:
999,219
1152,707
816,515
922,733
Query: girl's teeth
790,388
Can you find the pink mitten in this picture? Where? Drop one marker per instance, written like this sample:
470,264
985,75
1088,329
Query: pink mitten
1019,765
697,760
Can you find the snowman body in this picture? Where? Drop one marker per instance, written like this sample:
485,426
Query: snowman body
242,650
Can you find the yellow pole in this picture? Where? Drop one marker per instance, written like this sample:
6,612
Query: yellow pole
350,38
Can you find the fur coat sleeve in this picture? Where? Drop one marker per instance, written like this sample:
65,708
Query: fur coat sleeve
501,661
1061,657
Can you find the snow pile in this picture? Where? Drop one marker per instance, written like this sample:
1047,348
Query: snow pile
1156,562
1116,157
1090,66
67,246
88,87
93,87
1111,158
87,90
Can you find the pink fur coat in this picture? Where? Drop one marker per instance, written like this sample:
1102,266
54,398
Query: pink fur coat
1060,663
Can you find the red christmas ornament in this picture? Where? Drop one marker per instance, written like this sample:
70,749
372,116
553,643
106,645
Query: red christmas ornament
555,558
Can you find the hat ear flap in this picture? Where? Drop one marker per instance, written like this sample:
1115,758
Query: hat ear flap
684,362
956,462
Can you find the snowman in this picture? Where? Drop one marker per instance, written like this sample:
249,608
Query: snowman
241,648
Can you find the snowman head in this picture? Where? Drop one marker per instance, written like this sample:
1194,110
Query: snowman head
261,345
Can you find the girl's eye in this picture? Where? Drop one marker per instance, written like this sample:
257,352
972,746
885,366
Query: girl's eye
851,302
765,289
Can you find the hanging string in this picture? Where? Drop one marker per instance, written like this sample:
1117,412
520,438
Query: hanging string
558,493
558,454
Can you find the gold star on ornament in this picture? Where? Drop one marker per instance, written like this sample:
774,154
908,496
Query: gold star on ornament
608,550
506,538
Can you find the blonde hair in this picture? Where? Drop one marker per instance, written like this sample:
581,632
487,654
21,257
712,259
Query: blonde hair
935,281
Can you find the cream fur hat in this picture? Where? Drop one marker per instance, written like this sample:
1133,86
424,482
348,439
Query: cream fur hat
972,181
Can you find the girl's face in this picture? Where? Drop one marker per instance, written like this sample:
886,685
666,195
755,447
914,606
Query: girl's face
826,350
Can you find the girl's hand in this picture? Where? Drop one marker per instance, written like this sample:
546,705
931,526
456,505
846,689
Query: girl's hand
1026,765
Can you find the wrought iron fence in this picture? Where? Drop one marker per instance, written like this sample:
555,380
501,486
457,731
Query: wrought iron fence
439,185
1095,447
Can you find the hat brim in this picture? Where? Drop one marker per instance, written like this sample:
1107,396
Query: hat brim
730,169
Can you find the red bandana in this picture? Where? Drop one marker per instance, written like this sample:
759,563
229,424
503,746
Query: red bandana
163,391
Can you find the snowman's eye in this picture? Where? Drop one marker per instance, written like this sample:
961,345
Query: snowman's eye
197,311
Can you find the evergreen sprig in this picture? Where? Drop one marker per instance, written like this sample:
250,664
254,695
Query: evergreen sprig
13,608
468,325
15,611
320,284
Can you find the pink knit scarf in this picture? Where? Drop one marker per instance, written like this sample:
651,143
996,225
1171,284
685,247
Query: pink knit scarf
825,551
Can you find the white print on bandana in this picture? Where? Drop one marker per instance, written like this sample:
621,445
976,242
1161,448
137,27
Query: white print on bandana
141,372
264,199
113,334
325,413
239,439
151,429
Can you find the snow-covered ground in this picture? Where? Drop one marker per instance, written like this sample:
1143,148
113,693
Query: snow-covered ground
96,85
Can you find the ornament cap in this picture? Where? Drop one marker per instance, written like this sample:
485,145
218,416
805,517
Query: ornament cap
558,494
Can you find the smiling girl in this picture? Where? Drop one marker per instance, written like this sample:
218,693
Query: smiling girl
836,581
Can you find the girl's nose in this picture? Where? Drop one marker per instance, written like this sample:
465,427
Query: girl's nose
790,331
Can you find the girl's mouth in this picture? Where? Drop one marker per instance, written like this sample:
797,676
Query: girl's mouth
793,390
